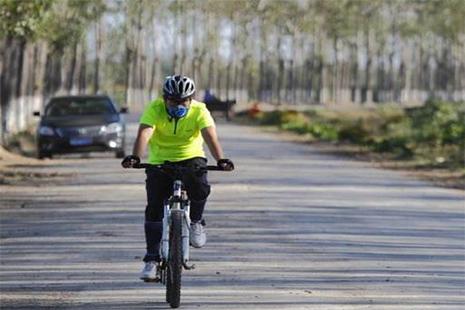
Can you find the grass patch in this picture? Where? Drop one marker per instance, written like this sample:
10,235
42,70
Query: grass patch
431,136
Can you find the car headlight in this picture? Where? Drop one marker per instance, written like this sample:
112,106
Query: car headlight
46,131
111,128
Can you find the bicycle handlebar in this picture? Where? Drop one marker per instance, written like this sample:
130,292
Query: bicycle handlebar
173,166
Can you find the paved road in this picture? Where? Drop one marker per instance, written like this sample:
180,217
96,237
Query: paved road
292,228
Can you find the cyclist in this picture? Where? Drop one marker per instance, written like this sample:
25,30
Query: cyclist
174,128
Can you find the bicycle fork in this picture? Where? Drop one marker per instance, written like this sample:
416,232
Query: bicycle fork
176,206
186,223
165,239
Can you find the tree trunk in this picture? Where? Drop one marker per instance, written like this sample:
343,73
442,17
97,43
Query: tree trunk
24,100
336,74
82,80
380,74
3,55
243,80
219,76
98,52
367,90
307,79
154,74
290,96
19,72
127,71
39,83
72,68
320,80
232,59
228,80
353,72
236,80
9,83
261,81
321,96
211,65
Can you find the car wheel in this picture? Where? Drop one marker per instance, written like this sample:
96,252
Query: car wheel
43,155
120,154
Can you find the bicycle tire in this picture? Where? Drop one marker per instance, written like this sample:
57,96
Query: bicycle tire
174,267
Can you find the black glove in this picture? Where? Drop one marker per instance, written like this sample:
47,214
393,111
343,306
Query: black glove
130,161
226,164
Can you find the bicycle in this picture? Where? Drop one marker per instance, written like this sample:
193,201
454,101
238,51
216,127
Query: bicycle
174,249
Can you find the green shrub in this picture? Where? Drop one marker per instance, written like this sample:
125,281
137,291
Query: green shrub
291,116
439,123
295,127
433,134
399,146
271,118
391,137
354,131
325,132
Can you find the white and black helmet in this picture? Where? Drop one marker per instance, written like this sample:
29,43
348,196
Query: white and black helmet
178,86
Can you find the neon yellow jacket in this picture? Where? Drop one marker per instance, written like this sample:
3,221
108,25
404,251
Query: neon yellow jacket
175,139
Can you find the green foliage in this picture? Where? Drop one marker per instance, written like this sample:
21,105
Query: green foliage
394,137
301,123
439,123
444,18
354,131
433,133
66,21
323,131
21,19
294,121
271,118
59,22
338,17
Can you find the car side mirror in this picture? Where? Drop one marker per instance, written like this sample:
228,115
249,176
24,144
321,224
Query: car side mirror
124,110
36,113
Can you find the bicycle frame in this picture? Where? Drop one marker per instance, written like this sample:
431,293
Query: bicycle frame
178,202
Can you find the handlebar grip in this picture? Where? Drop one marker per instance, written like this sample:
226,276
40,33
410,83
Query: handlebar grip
141,166
215,168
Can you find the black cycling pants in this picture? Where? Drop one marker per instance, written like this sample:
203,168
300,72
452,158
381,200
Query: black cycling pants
159,187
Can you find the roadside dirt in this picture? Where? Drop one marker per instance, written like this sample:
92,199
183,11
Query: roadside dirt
16,169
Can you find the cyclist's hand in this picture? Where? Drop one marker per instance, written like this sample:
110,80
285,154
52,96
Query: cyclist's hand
226,164
130,160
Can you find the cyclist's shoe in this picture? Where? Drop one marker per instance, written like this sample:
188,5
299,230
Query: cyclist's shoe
150,272
197,236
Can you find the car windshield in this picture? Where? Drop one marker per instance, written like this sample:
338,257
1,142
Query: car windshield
79,106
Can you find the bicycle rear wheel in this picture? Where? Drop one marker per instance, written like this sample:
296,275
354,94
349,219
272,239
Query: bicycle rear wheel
174,267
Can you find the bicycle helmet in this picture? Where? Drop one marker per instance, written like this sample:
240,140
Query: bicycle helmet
178,86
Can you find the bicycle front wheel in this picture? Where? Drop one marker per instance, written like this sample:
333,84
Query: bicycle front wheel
174,268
